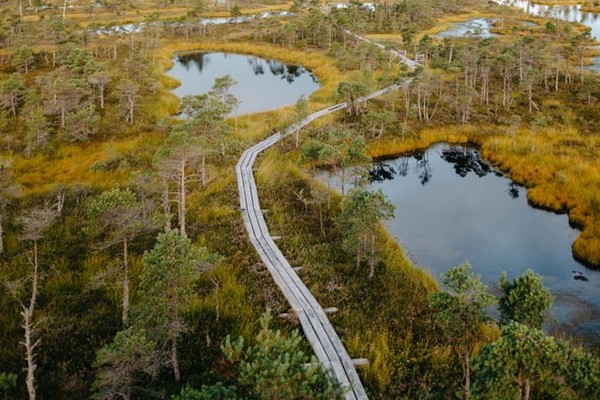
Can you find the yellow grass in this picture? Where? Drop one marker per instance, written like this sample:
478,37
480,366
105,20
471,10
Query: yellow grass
72,166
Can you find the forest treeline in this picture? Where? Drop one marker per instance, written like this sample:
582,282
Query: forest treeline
125,268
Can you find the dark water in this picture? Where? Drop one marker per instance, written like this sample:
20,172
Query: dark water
262,84
452,207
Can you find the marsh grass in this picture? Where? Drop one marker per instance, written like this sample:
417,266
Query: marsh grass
559,166
395,301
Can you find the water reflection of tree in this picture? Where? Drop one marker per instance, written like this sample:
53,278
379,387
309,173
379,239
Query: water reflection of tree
257,65
287,72
465,160
382,171
198,60
513,190
423,169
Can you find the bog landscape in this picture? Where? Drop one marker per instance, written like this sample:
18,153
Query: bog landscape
221,200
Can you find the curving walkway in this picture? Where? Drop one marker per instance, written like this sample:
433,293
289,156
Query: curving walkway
316,326
399,54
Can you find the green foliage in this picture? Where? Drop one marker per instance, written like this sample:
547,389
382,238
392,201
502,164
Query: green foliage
525,362
81,124
123,364
170,270
119,215
359,220
8,382
217,391
166,288
78,61
352,91
23,59
311,152
460,312
276,368
12,92
301,109
525,300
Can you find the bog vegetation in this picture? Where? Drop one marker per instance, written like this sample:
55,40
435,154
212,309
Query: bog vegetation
125,268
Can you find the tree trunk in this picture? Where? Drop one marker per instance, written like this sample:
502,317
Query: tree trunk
63,116
165,204
13,104
64,15
216,283
125,316
372,260
203,174
101,93
1,236
174,359
467,385
182,199
321,219
28,325
520,385
29,347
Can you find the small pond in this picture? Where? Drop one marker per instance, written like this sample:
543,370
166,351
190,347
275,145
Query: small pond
262,84
474,26
137,28
571,13
452,207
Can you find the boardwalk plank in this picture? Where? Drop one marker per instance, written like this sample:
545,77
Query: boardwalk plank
317,328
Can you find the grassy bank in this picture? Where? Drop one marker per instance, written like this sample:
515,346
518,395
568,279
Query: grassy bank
385,319
559,167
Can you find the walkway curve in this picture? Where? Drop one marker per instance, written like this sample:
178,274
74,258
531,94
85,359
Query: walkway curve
316,326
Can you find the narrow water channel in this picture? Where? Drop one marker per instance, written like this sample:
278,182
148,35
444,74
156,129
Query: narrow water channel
452,207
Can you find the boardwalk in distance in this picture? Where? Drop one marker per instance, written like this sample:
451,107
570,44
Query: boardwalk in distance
326,344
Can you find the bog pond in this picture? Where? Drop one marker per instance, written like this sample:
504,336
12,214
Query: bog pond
571,13
474,26
453,207
263,84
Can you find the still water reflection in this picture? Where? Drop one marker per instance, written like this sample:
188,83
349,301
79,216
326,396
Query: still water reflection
452,207
262,84
571,13
475,27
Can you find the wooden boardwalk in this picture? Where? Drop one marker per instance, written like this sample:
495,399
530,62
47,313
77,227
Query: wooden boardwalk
316,326
399,54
